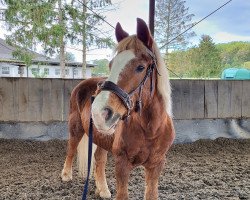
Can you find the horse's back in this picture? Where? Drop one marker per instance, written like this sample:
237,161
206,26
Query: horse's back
82,93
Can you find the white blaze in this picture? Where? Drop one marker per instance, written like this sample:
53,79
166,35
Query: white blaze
100,102
119,62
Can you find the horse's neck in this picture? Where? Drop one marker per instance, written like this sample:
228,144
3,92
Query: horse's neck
152,114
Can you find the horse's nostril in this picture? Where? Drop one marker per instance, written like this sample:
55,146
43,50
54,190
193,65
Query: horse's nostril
107,113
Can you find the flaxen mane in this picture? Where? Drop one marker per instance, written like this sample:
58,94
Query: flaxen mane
132,42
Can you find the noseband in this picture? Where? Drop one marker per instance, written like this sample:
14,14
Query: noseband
126,97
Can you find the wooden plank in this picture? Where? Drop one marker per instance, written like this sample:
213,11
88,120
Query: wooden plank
6,100
211,99
35,103
48,99
245,99
180,98
224,98
236,99
1,99
76,82
23,100
185,99
176,98
47,96
196,99
57,99
68,87
229,99
16,98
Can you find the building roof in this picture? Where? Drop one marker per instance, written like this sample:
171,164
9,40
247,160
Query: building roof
7,50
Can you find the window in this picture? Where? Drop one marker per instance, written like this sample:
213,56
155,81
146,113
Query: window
57,71
66,71
75,71
35,71
20,70
46,71
5,70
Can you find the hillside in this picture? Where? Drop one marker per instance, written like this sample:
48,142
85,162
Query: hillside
208,60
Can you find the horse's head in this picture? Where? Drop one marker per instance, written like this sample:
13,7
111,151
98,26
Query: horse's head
131,69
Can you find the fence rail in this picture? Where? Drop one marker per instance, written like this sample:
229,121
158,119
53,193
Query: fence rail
46,100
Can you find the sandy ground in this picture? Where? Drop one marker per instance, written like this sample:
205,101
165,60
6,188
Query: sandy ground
206,169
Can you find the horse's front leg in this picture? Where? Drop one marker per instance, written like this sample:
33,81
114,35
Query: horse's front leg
122,170
76,132
100,177
152,177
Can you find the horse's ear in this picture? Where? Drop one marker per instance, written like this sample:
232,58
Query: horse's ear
143,33
120,33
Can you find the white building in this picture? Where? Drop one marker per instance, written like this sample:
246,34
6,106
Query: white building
41,67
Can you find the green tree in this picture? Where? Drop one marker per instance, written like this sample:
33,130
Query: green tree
54,24
182,62
32,23
172,18
207,63
86,20
101,68
23,21
235,54
69,57
208,59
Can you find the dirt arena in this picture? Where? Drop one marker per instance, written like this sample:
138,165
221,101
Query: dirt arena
206,169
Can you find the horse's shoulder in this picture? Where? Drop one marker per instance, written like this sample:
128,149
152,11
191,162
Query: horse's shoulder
84,90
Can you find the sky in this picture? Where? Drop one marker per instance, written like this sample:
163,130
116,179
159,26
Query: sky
231,23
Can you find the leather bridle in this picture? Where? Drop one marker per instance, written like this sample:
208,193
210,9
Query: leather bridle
126,97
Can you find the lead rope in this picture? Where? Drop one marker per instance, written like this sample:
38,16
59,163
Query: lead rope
85,191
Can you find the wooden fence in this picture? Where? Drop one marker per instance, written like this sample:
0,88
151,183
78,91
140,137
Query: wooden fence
46,100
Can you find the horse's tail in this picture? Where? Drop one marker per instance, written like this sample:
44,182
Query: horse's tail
82,156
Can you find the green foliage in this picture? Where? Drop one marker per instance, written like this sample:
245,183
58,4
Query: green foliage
39,74
69,57
208,60
102,68
181,62
31,23
23,55
53,24
234,53
247,64
85,24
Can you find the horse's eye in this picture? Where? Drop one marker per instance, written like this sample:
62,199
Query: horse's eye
140,68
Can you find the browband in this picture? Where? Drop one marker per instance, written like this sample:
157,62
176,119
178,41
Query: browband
112,87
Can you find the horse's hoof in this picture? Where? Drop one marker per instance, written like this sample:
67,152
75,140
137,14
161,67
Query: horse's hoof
66,176
105,194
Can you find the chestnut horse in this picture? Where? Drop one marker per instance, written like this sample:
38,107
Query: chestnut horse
131,114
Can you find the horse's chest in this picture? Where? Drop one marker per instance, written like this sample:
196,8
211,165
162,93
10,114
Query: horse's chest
137,155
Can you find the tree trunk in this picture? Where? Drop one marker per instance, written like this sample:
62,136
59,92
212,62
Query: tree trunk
168,29
62,58
62,44
84,62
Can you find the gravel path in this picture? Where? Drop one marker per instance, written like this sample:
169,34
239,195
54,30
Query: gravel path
205,169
